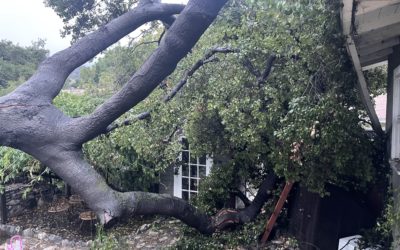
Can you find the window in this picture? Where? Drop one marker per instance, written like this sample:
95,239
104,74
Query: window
190,173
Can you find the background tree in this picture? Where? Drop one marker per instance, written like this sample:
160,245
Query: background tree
18,63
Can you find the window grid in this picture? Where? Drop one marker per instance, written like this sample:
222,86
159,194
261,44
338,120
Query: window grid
193,169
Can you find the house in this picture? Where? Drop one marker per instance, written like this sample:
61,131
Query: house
372,30
183,180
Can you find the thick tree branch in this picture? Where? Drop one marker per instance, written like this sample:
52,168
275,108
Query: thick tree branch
148,203
242,197
229,217
178,41
250,67
52,73
268,67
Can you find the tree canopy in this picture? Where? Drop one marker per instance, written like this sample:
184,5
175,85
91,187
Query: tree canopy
268,90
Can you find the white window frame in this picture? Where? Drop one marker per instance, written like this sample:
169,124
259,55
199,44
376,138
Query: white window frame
178,189
395,137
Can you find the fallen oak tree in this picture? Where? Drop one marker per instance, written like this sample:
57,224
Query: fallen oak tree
31,123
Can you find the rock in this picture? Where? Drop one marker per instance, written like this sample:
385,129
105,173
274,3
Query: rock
141,245
152,233
173,241
41,236
29,232
13,202
143,228
67,243
51,248
163,239
54,238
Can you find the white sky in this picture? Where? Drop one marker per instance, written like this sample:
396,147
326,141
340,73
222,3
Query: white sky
24,21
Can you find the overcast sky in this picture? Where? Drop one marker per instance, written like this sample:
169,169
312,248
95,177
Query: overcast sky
24,21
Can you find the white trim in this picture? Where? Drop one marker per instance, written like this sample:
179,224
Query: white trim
395,137
178,178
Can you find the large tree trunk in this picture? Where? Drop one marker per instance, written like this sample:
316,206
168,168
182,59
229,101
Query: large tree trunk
30,122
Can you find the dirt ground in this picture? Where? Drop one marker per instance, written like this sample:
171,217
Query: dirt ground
68,225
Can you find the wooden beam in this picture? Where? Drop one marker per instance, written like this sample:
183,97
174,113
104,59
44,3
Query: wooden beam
385,33
378,18
352,50
346,15
369,64
278,208
378,54
370,5
363,89
374,65
370,48
3,208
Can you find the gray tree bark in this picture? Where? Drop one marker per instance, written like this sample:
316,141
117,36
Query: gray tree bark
30,122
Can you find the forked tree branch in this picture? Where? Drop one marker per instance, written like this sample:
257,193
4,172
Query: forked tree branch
178,41
52,73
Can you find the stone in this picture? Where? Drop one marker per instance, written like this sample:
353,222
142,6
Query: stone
54,238
29,232
152,233
143,228
67,243
51,248
162,239
173,241
41,236
13,202
141,245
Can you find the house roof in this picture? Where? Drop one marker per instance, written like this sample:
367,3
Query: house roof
376,29
372,29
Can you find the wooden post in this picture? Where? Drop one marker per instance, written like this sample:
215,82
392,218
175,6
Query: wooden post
3,208
67,190
271,222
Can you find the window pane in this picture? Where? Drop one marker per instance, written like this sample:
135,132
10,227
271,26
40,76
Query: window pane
185,183
185,195
202,171
185,170
193,170
185,144
193,159
185,156
193,184
192,195
202,160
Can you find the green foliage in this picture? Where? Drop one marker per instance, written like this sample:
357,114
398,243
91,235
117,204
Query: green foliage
13,163
245,236
18,63
381,235
305,122
104,241
76,105
83,16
